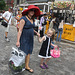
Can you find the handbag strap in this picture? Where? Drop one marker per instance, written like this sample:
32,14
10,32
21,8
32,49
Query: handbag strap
57,48
9,18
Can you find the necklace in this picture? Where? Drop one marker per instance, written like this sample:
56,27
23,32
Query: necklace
29,17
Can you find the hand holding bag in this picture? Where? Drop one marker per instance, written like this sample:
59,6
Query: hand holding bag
55,53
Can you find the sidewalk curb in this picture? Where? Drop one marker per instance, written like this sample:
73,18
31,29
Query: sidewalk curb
67,41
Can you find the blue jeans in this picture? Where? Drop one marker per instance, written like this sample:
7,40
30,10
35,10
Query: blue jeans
60,30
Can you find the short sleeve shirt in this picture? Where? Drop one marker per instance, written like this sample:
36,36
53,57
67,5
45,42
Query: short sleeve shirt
7,15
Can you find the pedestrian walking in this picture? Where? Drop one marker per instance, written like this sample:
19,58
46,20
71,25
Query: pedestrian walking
25,37
43,22
45,48
60,29
19,15
53,19
53,25
7,16
54,22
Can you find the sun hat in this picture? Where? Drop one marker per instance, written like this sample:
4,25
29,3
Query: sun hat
36,13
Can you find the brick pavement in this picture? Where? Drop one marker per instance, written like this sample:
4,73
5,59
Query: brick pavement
65,65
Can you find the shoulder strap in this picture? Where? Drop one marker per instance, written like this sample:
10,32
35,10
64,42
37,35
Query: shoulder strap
9,18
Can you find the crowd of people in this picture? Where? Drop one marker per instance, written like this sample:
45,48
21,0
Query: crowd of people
26,29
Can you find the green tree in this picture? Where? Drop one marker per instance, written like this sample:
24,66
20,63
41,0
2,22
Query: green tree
2,4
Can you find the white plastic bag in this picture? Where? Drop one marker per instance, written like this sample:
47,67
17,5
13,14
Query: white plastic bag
17,56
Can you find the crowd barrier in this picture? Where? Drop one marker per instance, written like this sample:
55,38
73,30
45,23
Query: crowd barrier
68,32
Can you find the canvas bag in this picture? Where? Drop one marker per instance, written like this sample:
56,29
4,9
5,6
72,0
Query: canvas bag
17,56
55,53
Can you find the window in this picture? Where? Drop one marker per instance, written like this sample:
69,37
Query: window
17,1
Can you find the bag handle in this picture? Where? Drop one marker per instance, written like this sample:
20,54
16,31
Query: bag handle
57,48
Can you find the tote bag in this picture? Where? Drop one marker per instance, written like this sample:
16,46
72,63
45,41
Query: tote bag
55,53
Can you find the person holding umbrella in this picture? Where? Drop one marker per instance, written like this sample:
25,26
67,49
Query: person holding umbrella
25,37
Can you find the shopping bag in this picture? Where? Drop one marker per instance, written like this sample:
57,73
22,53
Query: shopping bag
55,53
4,24
17,60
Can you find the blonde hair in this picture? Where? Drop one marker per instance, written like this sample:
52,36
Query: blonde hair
53,31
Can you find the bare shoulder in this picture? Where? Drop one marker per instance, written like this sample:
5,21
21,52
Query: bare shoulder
22,21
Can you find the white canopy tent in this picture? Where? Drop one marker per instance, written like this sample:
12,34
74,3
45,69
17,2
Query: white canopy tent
44,4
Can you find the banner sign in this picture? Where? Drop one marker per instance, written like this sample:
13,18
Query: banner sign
68,32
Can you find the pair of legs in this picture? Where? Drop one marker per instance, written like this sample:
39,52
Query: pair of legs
60,30
42,61
27,63
6,33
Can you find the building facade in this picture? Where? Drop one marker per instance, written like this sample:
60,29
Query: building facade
64,0
17,2
9,3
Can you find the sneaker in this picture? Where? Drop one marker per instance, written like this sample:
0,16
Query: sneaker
23,69
6,39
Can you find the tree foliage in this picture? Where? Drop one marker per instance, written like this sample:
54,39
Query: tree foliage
2,4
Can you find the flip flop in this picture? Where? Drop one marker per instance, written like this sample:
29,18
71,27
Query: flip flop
29,70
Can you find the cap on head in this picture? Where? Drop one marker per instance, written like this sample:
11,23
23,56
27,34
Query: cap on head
10,8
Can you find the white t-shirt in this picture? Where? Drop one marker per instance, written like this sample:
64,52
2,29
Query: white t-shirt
61,24
51,23
7,15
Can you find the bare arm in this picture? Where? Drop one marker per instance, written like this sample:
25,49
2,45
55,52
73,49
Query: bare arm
35,32
21,25
5,19
17,18
54,45
41,39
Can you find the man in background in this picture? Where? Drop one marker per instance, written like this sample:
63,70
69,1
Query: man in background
7,15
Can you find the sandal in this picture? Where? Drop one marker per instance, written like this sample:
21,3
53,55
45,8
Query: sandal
30,70
42,67
45,65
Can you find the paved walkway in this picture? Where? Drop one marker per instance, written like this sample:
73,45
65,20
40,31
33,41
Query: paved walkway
65,65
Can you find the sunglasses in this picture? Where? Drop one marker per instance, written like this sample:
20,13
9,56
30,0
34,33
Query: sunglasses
32,10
